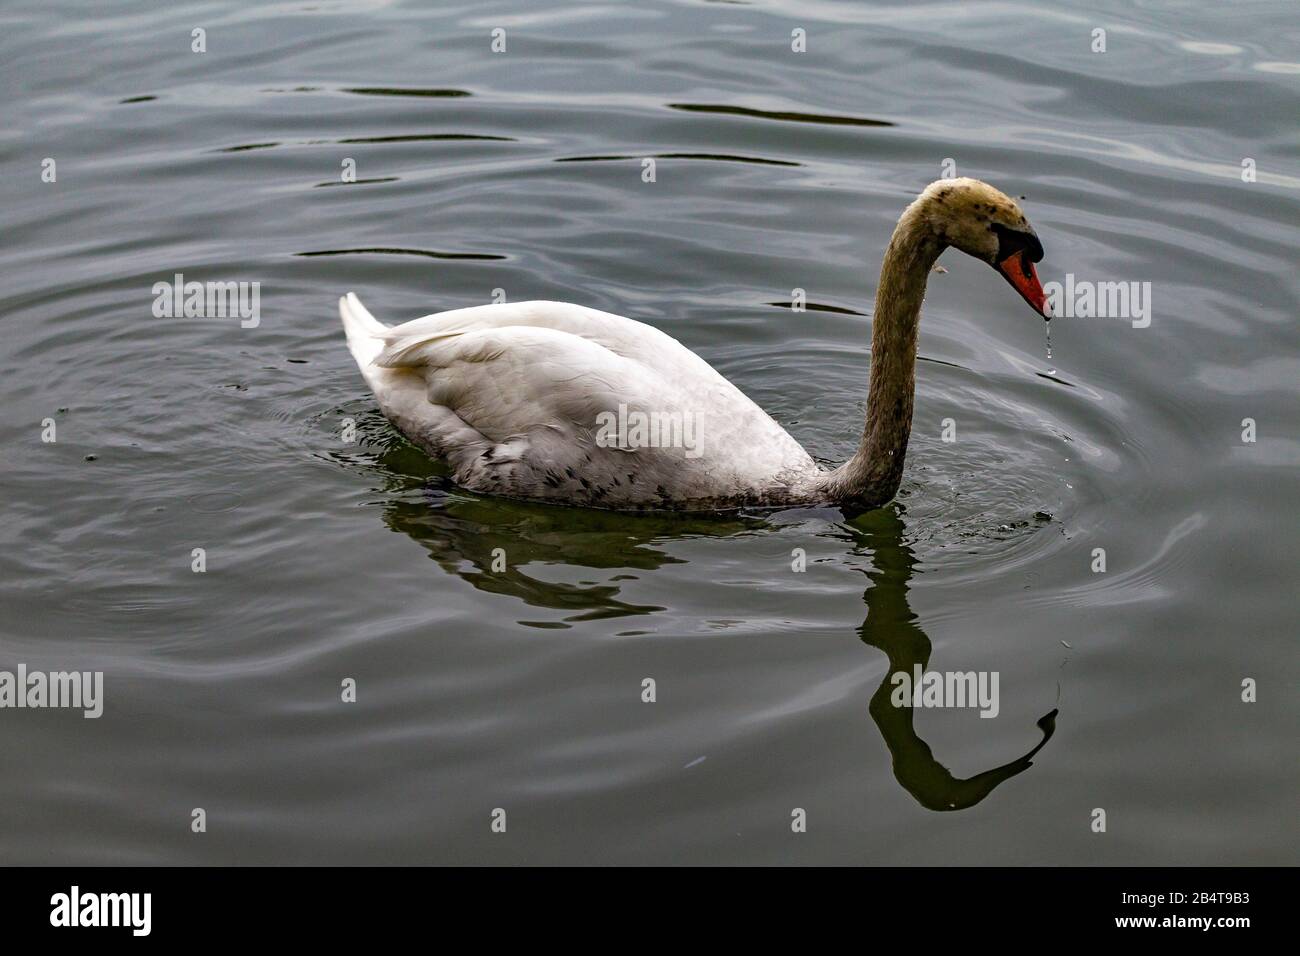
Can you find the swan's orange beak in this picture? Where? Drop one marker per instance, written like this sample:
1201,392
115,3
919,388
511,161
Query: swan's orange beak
1019,271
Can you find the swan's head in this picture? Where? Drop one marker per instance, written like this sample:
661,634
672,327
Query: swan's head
986,223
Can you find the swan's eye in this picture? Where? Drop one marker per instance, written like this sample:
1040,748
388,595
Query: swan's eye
1011,241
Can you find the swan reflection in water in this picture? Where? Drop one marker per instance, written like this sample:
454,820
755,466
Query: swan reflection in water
891,626
462,534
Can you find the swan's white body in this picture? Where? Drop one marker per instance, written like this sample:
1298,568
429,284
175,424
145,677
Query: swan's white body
520,400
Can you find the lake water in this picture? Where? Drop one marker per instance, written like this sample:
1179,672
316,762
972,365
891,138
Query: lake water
1171,158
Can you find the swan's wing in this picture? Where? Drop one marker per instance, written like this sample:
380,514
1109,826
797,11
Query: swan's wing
508,382
518,411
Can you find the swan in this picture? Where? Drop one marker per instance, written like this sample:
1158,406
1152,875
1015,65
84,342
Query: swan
553,402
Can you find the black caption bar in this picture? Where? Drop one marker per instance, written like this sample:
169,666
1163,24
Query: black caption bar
337,905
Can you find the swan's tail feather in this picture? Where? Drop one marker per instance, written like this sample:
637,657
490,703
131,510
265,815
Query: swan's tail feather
364,331
401,395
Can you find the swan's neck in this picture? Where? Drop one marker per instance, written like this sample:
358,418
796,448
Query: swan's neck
872,475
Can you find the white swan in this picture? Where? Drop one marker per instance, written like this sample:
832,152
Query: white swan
555,402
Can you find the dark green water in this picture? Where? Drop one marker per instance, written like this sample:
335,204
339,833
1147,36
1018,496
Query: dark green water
522,689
